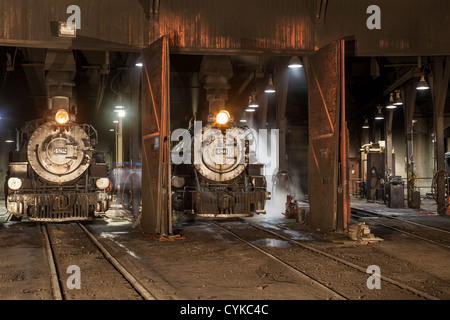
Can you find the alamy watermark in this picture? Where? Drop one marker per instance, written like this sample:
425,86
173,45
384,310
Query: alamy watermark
74,280
226,147
374,281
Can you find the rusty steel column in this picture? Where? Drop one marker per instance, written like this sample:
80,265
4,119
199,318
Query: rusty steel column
328,139
388,150
410,94
438,81
156,186
281,87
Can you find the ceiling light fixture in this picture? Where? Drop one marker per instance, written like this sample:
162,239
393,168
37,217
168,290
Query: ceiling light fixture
295,63
366,124
379,115
270,87
391,104
253,103
423,84
398,99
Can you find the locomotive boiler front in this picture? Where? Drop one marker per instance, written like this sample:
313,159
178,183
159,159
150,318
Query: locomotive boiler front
57,175
223,180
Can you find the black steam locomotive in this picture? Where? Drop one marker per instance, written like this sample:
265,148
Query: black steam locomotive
57,175
221,180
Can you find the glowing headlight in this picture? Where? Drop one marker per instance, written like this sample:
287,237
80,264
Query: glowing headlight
62,116
14,183
102,183
223,117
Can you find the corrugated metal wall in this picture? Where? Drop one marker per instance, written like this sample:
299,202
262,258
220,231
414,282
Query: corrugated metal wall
408,27
108,23
236,25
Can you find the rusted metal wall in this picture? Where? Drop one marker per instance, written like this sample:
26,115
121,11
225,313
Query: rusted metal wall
108,24
236,25
408,27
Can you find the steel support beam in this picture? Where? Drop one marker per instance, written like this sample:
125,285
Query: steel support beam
328,139
281,87
409,99
438,82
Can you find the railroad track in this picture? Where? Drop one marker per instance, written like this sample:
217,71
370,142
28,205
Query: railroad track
324,258
361,214
61,292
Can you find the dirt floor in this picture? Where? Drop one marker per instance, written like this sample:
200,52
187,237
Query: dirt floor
210,264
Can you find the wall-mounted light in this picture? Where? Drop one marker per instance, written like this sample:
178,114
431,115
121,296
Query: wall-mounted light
295,63
250,110
423,84
66,30
270,87
379,115
391,104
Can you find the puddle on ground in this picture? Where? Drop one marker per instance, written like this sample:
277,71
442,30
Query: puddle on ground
272,243
112,235
296,235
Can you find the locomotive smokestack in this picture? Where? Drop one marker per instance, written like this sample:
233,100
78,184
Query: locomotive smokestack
59,70
215,71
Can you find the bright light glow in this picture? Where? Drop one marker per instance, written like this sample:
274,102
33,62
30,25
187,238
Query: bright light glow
423,84
295,63
14,183
121,113
223,117
270,87
139,64
67,29
398,99
102,183
9,141
62,116
243,120
120,107
391,104
250,110
112,130
116,121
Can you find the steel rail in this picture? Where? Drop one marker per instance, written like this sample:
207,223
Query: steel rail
298,271
399,219
56,288
347,263
402,231
119,267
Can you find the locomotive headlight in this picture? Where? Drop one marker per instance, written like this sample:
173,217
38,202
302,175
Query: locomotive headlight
223,117
14,183
62,116
102,183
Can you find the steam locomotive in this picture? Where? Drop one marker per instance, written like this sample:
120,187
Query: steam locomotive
57,175
222,178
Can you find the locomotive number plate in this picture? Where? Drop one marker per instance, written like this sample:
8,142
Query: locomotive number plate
221,151
60,150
